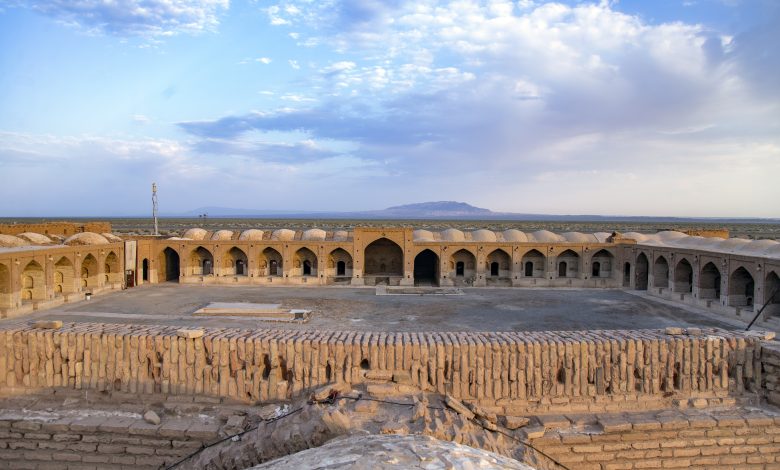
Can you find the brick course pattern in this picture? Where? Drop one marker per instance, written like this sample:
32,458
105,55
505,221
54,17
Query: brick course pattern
732,440
98,443
521,372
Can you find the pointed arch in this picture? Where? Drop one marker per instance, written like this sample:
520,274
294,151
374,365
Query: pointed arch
236,263
683,277
201,262
462,267
305,263
499,264
64,276
339,264
601,264
709,282
89,272
111,269
533,264
168,265
383,257
742,288
661,272
426,268
568,263
271,262
33,282
772,293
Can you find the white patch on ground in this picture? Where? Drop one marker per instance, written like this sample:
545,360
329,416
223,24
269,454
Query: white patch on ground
48,416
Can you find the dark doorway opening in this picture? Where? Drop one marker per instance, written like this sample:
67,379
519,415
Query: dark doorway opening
306,267
240,268
596,269
171,265
426,270
341,268
207,267
145,270
562,269
642,271
274,268
529,268
627,275
460,269
494,268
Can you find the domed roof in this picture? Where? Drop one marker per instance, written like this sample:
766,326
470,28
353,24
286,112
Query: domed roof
252,235
670,235
112,238
758,247
452,235
283,234
514,235
483,235
35,238
579,237
195,233
314,234
222,235
422,236
545,236
636,236
86,238
10,241
602,237
340,235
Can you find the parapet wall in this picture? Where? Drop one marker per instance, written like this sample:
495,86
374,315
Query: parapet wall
521,372
56,228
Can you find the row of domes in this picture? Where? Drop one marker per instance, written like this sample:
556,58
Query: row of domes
283,234
763,248
37,239
509,236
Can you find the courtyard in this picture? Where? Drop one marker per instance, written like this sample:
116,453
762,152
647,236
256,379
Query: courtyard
342,308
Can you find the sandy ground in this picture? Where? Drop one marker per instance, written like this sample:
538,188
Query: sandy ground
338,308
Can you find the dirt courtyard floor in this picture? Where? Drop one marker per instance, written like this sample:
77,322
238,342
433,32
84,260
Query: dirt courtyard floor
341,308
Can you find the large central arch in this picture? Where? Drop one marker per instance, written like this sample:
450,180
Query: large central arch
568,264
426,268
384,257
201,262
339,265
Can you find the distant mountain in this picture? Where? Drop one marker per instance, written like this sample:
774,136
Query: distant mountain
435,210
450,210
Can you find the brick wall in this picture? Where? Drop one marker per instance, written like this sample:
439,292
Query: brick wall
699,440
92,443
56,228
521,372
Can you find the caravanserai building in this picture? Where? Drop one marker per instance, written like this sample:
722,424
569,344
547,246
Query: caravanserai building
725,275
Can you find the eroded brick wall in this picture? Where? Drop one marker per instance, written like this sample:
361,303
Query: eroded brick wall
105,442
56,228
699,440
534,372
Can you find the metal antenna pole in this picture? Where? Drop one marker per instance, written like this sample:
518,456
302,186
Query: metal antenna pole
154,207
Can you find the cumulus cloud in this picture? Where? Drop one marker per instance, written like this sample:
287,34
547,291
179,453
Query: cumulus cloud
149,18
539,91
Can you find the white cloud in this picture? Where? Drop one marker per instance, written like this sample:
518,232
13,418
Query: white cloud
148,18
263,60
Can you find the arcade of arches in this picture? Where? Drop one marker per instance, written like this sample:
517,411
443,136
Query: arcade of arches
394,257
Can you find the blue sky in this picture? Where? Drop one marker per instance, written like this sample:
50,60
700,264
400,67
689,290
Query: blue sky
667,107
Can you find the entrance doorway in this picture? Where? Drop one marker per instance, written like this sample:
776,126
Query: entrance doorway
426,268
